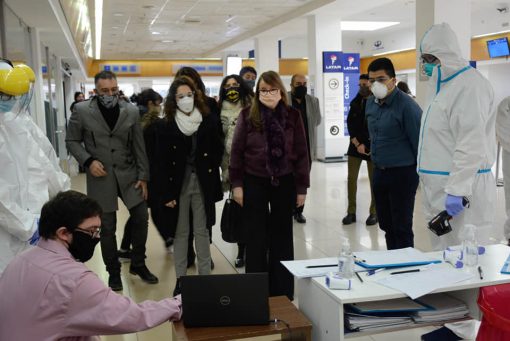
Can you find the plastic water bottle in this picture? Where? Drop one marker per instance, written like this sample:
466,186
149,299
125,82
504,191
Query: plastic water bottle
346,260
470,247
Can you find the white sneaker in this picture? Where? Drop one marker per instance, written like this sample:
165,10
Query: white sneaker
170,249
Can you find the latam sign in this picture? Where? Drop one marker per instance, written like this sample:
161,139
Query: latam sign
336,61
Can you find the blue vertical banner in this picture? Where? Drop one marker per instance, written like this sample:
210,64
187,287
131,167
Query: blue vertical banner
350,68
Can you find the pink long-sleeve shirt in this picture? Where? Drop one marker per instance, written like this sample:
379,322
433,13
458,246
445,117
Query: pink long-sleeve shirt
45,294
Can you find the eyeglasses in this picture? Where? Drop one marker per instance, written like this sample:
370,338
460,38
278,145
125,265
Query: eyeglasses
181,96
428,58
266,92
381,79
5,97
93,233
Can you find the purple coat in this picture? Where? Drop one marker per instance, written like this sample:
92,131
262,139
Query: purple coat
249,156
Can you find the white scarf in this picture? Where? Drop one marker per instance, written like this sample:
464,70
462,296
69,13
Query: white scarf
188,124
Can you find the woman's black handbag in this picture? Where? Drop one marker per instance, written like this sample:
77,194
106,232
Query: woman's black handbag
231,221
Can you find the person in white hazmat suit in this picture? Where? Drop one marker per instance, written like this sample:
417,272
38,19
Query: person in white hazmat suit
457,145
30,173
503,134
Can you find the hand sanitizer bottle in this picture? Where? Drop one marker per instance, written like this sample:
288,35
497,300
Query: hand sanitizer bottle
346,260
470,246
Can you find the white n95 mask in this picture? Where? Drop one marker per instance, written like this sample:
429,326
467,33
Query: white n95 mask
379,90
186,104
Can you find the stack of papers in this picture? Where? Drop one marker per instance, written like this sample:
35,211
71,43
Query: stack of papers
314,267
443,307
393,258
362,322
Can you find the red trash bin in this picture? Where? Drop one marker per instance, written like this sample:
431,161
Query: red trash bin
494,302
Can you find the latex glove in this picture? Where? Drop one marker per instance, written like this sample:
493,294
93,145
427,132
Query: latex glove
453,205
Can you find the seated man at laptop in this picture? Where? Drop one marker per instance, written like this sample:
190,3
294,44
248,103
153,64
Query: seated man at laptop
47,293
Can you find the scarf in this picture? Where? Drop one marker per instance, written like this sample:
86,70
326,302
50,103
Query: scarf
274,128
188,125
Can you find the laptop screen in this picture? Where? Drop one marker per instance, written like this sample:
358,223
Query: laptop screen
225,300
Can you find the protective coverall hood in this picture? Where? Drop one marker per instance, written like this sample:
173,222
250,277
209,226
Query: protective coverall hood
441,42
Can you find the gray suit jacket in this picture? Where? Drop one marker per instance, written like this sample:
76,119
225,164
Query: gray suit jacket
121,151
313,115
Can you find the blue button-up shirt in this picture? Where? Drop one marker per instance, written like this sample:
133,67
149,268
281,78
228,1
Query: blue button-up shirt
394,127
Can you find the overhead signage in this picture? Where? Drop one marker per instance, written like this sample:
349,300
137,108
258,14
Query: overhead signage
201,68
120,69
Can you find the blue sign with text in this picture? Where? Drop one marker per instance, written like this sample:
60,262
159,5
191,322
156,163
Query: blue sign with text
350,62
350,91
332,61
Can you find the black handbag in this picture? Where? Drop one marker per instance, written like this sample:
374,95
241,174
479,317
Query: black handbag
231,220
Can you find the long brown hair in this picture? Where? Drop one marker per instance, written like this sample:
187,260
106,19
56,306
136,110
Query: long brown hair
171,102
273,79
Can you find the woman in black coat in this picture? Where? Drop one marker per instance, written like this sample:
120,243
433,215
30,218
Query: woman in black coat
187,151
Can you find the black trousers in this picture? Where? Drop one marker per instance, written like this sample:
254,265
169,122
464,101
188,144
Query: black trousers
138,220
394,193
166,232
269,234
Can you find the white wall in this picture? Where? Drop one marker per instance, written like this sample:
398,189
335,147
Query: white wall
295,47
498,74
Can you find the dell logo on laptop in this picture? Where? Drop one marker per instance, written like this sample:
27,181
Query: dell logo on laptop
224,300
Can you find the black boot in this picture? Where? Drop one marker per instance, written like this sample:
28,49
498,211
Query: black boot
349,219
115,282
144,274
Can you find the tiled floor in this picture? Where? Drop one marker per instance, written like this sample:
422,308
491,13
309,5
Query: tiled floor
326,204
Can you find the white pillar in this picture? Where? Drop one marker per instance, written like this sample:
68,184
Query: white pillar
60,105
237,64
430,12
37,105
266,54
324,34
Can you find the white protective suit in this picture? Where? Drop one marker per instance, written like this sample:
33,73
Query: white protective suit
29,176
457,146
503,134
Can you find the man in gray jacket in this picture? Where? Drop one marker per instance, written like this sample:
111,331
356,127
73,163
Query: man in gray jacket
105,136
310,111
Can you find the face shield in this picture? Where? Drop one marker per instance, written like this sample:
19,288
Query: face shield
27,98
427,64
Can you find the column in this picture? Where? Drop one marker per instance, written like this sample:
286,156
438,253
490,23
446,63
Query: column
324,34
35,62
60,105
430,12
266,54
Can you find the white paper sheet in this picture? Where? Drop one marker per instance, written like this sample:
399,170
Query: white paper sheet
416,284
299,268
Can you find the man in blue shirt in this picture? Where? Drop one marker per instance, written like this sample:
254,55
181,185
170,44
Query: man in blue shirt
394,125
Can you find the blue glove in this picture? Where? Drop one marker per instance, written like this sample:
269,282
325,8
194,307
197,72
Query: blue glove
35,237
453,205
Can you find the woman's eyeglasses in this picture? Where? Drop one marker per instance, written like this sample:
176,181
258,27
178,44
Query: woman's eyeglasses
266,92
181,96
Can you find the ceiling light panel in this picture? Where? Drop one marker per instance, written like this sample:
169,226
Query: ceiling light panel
366,25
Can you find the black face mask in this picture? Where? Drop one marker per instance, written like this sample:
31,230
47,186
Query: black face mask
364,91
300,91
232,94
250,83
82,247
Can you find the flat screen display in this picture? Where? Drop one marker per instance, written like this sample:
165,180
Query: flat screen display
498,47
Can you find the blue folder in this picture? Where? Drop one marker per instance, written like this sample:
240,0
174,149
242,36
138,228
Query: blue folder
506,267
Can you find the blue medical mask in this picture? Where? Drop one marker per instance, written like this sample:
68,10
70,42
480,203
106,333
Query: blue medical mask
6,106
429,68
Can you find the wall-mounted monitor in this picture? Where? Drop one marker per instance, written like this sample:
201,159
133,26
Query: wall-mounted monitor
498,47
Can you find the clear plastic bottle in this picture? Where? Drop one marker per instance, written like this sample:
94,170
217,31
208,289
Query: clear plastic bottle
346,260
470,246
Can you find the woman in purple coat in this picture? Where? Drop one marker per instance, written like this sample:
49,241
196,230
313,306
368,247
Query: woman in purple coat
269,173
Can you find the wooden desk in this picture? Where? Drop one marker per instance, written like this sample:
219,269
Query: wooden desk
279,307
325,307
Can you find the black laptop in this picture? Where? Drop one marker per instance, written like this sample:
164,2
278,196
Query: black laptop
225,300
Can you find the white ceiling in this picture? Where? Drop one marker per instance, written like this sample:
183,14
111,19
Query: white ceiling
205,28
